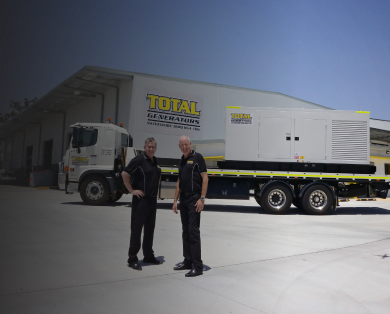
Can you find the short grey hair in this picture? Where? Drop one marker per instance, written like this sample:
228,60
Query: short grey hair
150,140
183,136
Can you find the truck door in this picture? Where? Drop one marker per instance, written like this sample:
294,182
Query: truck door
310,140
274,138
83,153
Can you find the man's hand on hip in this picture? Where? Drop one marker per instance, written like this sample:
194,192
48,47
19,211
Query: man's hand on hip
138,193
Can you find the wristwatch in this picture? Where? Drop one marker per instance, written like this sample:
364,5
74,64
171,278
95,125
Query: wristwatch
202,198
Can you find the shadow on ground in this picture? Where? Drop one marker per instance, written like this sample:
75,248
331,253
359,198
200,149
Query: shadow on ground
362,211
237,209
256,209
293,210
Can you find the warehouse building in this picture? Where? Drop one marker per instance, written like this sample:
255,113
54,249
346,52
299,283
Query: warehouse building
147,105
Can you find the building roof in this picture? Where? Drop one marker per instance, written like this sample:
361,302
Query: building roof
87,82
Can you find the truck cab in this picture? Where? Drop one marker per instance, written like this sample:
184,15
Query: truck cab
94,161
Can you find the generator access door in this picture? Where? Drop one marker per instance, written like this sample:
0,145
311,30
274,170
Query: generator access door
310,140
274,138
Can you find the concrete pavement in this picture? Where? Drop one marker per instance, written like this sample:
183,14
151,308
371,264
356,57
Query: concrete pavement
61,256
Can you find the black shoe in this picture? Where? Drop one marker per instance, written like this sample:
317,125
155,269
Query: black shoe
194,272
135,266
182,266
152,260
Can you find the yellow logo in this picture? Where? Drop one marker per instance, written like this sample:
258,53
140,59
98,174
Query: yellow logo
172,104
190,162
241,116
79,159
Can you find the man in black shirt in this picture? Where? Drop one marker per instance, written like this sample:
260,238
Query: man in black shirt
192,187
146,174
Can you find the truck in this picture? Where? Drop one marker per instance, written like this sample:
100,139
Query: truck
308,158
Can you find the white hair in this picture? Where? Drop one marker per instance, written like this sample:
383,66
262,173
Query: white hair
183,137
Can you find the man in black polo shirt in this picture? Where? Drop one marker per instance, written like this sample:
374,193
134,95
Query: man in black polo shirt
192,187
146,173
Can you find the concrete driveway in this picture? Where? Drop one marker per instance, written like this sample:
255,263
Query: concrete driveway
61,256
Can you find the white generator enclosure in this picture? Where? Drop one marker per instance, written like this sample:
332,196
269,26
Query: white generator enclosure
297,135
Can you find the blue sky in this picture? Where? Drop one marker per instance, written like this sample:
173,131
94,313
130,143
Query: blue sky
333,53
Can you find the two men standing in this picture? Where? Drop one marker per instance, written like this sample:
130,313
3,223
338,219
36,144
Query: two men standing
191,188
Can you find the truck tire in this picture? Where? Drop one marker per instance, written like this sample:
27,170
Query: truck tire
276,199
317,200
118,196
94,190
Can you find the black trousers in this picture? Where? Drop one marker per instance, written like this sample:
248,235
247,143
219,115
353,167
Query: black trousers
143,214
190,221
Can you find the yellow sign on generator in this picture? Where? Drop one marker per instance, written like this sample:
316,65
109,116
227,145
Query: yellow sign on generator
240,118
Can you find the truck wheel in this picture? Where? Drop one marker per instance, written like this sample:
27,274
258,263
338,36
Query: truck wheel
118,196
95,190
276,199
317,200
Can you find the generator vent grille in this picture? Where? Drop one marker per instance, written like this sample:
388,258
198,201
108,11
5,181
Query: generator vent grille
349,140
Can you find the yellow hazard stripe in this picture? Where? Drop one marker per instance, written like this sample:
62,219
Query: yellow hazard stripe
298,175
214,157
286,175
380,157
362,112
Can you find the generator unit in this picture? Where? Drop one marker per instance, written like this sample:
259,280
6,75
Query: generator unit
310,140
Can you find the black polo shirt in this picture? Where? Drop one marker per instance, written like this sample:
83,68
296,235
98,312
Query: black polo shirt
189,172
145,174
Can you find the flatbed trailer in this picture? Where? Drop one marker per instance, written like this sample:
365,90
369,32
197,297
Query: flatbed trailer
275,191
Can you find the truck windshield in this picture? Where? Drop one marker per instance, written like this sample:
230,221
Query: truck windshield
84,137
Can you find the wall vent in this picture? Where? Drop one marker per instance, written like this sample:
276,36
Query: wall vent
349,140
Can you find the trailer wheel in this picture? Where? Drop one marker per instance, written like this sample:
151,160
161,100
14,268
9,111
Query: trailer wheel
317,200
94,190
276,199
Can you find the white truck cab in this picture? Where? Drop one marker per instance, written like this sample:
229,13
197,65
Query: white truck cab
94,161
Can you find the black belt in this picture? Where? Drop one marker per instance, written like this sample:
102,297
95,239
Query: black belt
150,196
